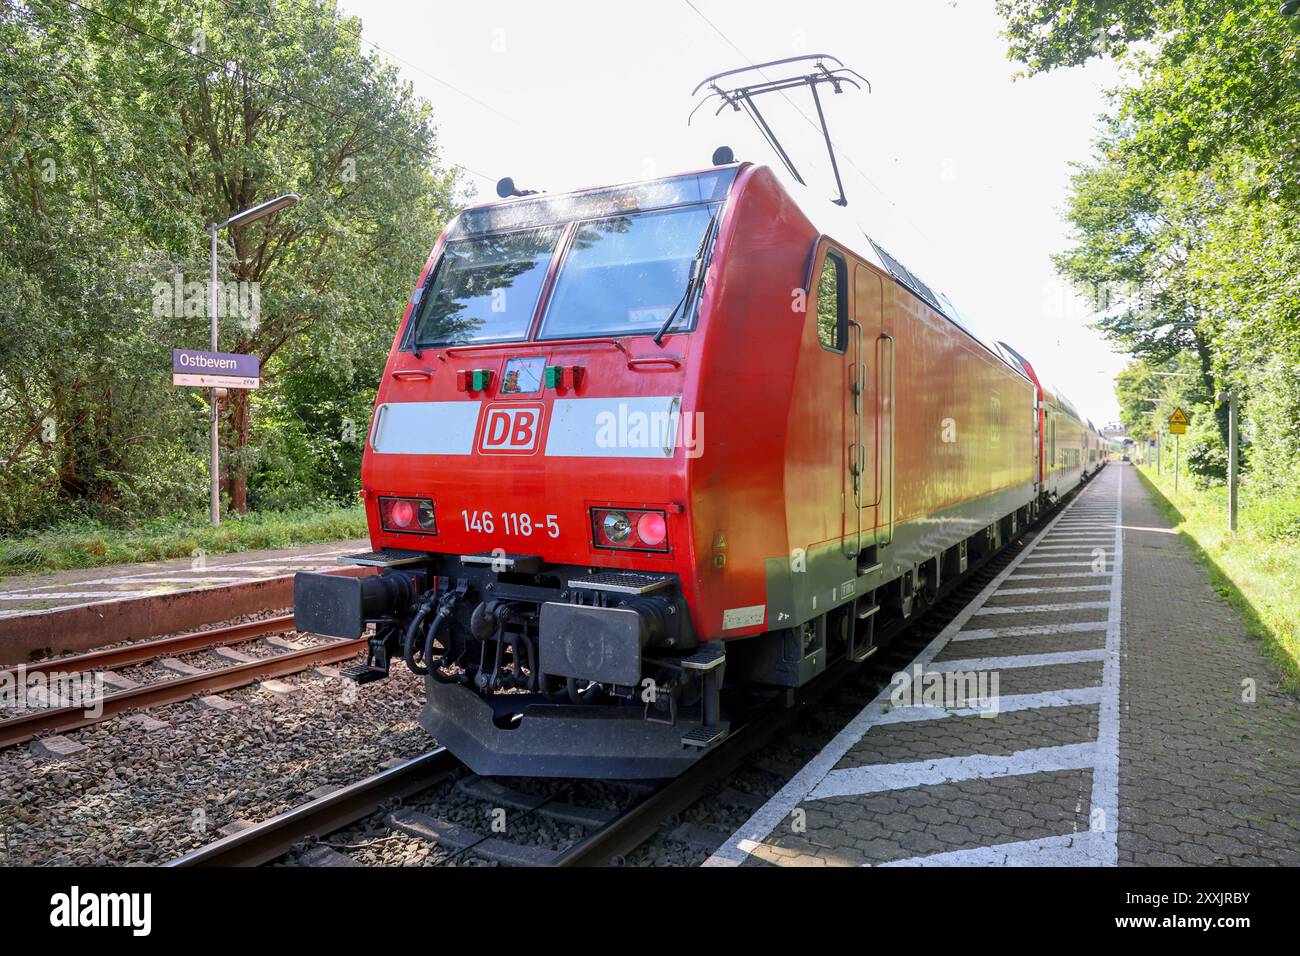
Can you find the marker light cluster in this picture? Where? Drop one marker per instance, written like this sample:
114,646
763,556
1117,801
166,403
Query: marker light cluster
473,380
564,378
407,515
623,529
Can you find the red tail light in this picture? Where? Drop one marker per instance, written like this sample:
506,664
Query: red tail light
624,529
652,529
410,515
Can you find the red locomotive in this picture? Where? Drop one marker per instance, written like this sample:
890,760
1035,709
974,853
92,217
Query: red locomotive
645,454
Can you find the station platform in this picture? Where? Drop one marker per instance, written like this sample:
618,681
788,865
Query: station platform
24,594
1125,717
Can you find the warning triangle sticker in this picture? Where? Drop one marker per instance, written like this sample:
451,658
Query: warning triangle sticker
1179,417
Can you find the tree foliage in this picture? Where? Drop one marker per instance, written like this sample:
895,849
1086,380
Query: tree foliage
1046,34
126,128
1187,219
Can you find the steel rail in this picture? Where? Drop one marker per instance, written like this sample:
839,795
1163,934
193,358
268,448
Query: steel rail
640,822
18,729
274,837
148,650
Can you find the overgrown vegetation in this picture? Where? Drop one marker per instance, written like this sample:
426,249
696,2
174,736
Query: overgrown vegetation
1255,569
1187,222
126,127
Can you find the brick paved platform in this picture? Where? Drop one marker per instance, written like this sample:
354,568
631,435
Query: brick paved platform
1120,729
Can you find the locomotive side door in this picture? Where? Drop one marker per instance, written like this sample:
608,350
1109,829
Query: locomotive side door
835,332
866,449
1038,445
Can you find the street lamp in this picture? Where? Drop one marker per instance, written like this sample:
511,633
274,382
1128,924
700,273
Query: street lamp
251,214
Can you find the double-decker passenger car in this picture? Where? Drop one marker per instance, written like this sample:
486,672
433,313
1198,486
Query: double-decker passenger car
644,454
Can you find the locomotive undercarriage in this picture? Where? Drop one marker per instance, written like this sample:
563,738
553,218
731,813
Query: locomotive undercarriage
531,669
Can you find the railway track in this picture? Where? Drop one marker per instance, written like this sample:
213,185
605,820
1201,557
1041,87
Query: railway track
60,716
608,835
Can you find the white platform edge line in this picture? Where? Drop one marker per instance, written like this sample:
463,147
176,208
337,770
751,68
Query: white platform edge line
1059,589
881,777
220,564
1035,608
1011,662
1005,705
1057,577
1104,816
1030,630
1068,849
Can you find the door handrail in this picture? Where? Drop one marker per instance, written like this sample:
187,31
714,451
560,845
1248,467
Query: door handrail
856,467
880,418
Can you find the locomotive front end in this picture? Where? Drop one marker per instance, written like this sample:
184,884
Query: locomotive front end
526,482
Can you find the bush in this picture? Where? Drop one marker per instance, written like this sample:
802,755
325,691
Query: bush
1207,460
1274,513
1204,454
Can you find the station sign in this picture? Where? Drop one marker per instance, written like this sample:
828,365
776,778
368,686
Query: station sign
215,369
1178,422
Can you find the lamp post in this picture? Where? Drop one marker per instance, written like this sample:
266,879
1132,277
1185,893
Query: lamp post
238,219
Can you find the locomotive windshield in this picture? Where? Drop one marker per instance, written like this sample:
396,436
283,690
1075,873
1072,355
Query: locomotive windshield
629,264
628,274
486,289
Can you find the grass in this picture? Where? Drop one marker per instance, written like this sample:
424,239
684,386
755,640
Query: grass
1255,569
88,544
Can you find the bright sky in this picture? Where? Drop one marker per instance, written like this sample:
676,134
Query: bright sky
958,170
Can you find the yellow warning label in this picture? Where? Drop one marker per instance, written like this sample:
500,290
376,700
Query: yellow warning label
1179,417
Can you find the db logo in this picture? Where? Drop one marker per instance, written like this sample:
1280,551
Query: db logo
511,429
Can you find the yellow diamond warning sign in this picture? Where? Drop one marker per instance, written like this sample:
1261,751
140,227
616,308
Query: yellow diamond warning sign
1178,422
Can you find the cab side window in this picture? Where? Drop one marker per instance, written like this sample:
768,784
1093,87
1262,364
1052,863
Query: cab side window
832,303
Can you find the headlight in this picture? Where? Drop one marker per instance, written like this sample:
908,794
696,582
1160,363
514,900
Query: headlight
629,530
615,526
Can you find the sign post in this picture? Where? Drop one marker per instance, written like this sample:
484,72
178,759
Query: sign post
1231,399
1178,422
215,370
242,218
215,489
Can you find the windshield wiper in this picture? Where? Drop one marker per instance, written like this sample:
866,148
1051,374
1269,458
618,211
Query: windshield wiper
697,273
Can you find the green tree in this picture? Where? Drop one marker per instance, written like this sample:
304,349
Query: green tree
82,403
1046,34
158,118
1188,219
1137,233
279,98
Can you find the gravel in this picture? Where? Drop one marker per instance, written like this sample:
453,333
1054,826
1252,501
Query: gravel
146,797
373,843
138,797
